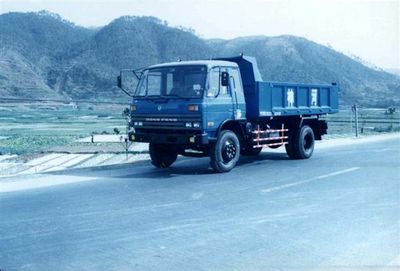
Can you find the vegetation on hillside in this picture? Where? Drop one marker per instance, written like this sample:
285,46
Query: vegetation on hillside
45,56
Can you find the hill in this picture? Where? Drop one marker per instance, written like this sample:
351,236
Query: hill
289,58
45,56
31,49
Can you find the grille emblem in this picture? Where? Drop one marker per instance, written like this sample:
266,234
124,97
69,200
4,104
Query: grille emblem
159,108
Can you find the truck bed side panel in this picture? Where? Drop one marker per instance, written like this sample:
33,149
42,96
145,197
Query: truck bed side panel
290,99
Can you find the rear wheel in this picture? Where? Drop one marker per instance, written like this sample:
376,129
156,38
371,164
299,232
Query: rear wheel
225,153
162,156
289,146
301,143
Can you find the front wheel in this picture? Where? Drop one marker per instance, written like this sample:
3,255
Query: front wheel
225,153
162,156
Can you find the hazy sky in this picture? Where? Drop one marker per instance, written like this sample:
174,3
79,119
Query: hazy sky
368,29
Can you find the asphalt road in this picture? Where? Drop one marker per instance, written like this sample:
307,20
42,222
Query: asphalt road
339,210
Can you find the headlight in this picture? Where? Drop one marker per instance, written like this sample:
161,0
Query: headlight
193,107
196,124
188,125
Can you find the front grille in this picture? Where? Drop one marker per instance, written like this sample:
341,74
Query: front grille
165,121
167,131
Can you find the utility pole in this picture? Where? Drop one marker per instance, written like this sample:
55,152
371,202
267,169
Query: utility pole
124,139
355,110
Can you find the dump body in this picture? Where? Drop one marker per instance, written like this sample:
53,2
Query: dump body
290,99
265,99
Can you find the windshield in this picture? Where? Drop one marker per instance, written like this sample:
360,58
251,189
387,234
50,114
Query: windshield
177,81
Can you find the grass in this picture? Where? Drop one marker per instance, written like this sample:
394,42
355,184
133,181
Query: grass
32,144
31,128
370,121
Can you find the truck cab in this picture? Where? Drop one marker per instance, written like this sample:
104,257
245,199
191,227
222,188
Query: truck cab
183,103
218,108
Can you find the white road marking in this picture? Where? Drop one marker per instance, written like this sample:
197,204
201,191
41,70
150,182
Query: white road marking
196,196
384,150
280,187
337,172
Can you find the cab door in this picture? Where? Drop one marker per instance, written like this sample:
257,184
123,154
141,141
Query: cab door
218,100
236,87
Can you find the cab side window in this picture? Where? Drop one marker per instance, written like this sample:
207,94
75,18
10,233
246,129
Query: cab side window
236,83
213,83
224,90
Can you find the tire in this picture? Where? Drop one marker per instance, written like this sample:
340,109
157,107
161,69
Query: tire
162,156
290,144
225,153
301,143
250,151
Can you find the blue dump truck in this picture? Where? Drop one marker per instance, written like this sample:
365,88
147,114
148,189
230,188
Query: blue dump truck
222,108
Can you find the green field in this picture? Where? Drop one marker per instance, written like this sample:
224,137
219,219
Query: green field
370,121
26,128
31,128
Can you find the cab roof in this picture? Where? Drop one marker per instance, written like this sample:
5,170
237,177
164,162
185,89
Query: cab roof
208,63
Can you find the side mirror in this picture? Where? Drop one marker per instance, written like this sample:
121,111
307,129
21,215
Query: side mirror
224,79
119,83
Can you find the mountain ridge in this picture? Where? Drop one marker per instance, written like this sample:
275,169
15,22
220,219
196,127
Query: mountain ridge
43,55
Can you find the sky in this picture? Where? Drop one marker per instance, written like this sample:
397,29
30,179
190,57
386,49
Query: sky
367,29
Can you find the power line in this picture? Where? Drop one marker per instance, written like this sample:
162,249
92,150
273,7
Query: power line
10,99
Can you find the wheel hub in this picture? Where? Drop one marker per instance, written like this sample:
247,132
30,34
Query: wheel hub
307,143
228,151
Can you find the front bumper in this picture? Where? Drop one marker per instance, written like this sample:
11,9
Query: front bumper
168,137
